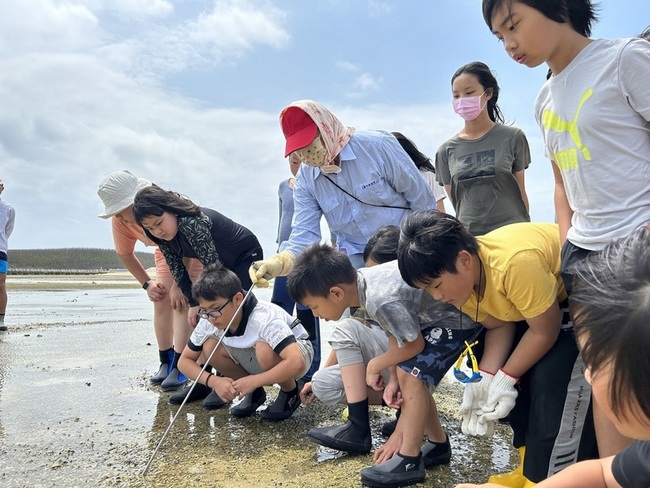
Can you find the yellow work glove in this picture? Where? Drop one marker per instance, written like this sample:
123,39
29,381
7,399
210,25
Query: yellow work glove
277,265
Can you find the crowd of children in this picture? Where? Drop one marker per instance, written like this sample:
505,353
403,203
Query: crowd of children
556,309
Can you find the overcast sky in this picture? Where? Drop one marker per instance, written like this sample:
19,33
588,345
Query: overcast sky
187,94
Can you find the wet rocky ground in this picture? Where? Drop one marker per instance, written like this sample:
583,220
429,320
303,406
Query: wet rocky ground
76,408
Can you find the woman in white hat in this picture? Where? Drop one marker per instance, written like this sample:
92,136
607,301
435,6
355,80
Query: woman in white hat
172,330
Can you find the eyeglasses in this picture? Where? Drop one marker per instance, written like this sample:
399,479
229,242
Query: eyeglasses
215,313
461,375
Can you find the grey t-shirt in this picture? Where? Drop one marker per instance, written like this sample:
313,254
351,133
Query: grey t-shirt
400,310
484,190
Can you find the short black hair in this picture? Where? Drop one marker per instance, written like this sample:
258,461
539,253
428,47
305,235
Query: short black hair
581,14
610,307
317,269
216,281
382,246
429,244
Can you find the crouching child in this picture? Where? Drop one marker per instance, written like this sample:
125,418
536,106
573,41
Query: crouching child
264,345
425,338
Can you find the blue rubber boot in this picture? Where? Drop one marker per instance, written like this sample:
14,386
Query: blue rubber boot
175,379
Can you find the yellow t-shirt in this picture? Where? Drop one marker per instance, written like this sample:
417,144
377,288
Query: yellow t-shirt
521,263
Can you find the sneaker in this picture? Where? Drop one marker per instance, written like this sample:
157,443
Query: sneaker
283,406
249,404
344,437
389,427
174,380
435,453
199,392
213,401
397,471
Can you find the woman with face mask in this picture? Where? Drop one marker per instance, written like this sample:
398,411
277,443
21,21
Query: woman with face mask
482,167
359,180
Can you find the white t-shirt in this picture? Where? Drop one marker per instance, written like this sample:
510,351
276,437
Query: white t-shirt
595,118
439,192
261,321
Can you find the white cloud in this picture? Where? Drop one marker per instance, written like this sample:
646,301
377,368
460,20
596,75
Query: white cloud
227,32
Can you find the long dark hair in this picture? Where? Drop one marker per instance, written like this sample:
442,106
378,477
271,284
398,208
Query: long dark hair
154,201
581,14
488,81
421,160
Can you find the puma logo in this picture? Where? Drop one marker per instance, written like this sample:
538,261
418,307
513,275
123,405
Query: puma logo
566,158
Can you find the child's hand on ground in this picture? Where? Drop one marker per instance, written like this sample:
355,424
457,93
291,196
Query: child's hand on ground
307,394
246,385
156,291
390,448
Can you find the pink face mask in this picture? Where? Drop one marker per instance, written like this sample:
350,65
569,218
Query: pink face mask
469,108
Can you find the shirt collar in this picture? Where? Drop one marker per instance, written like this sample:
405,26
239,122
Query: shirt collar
247,309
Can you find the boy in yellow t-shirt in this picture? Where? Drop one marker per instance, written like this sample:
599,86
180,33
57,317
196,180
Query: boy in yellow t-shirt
509,279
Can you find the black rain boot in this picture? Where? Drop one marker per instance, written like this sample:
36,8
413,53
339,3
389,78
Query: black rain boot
354,436
399,470
283,406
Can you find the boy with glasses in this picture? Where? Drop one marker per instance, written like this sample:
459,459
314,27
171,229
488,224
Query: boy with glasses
263,345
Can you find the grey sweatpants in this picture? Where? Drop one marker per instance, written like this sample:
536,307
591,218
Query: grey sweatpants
353,343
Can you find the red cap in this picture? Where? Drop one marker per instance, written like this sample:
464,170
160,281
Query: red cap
298,128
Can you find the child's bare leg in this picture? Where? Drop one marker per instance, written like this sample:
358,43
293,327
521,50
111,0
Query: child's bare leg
433,428
415,410
222,361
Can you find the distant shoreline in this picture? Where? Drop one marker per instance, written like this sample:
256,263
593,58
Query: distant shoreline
66,281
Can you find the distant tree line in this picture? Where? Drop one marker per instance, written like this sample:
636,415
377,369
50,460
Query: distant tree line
72,258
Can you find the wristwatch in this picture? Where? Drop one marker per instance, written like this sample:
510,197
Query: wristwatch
146,284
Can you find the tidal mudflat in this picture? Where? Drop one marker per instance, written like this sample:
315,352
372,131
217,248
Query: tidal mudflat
76,408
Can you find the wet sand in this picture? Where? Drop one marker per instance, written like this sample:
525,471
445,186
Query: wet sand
76,407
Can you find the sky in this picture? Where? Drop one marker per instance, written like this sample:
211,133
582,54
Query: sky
187,94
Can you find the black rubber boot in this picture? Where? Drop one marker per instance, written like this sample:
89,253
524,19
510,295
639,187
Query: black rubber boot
198,393
166,360
283,406
397,471
434,453
389,427
354,436
249,404
213,401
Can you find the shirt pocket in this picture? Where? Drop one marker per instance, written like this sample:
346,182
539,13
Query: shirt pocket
374,191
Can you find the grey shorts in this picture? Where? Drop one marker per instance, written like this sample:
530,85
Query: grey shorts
353,343
247,358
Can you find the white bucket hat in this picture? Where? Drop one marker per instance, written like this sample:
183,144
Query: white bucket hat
118,190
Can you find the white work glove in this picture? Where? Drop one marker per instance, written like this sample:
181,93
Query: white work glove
500,399
278,265
470,409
